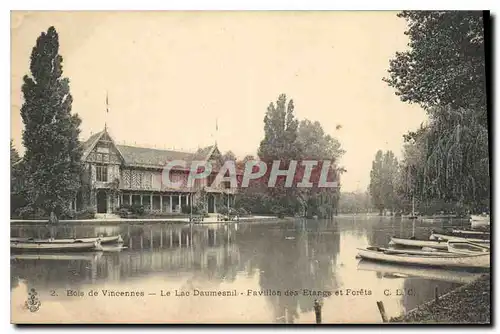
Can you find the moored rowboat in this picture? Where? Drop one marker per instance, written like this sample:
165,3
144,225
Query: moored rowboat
483,217
470,233
102,240
479,223
437,244
438,236
55,247
83,256
465,247
448,275
410,251
458,261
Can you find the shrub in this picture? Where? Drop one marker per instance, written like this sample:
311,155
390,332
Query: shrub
123,212
25,212
187,209
137,209
88,213
279,211
242,212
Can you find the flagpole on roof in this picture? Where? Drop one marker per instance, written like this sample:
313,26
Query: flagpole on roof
216,130
107,111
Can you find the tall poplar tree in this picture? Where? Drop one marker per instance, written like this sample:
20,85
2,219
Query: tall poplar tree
383,176
280,143
53,153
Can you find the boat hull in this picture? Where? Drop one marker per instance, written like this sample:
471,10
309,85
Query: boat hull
420,243
479,223
410,251
54,247
102,240
432,273
55,256
438,236
459,261
466,247
470,233
479,217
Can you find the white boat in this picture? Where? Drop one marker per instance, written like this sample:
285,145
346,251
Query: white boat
101,239
447,275
434,220
482,217
466,233
410,251
55,247
89,256
458,261
478,221
465,247
437,244
113,248
444,237
475,224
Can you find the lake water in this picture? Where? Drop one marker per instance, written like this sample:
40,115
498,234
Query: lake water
256,272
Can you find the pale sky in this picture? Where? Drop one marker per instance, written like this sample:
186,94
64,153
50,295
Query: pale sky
169,75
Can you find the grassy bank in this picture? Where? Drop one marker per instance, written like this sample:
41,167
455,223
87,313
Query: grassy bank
468,304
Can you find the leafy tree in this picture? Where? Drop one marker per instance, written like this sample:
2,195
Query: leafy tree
16,180
280,132
317,145
286,139
14,155
456,167
228,156
445,62
376,181
382,181
446,162
354,202
15,169
390,175
247,158
53,153
280,143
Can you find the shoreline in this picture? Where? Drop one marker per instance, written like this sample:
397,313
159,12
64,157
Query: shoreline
117,221
467,304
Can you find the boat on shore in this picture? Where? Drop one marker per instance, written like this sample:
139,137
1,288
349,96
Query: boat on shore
481,261
436,244
431,273
101,239
55,247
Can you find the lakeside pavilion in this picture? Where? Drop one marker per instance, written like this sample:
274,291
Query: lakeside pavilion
116,175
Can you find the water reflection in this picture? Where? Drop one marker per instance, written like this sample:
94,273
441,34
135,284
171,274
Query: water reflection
270,257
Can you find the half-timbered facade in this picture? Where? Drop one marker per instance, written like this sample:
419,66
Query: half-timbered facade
116,175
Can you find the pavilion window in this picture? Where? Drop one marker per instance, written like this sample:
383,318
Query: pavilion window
211,179
101,173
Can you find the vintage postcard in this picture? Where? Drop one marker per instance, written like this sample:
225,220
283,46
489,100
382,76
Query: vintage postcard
295,167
